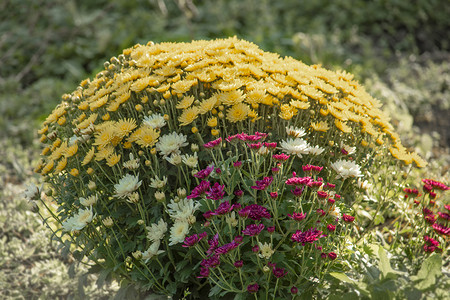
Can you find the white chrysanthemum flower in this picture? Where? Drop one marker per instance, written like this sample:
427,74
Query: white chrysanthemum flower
183,210
156,121
78,221
174,159
32,192
346,169
316,150
89,201
152,251
157,183
72,140
131,164
364,185
190,160
127,185
231,219
156,231
336,212
178,232
349,150
295,146
265,250
171,143
263,150
296,132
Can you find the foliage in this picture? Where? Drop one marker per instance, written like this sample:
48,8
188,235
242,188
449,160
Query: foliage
30,267
119,169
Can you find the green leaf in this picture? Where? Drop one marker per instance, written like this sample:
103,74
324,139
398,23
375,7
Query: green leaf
431,268
342,277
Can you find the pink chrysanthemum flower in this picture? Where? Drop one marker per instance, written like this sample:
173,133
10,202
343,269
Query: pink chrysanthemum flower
202,174
262,184
199,190
297,216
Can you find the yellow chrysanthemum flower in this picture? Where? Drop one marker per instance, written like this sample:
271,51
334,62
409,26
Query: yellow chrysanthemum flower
106,136
144,136
231,98
61,165
238,112
113,159
88,157
208,104
125,126
342,126
300,104
185,102
320,126
104,153
183,86
86,122
287,112
74,172
48,167
212,122
71,150
188,116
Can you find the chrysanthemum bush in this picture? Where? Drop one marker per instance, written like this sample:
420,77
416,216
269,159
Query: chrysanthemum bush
213,167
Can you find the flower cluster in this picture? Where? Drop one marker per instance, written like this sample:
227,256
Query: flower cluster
216,160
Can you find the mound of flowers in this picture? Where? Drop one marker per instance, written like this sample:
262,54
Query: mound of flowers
213,167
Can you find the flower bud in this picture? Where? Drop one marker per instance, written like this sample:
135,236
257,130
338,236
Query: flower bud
140,222
181,192
91,185
160,196
108,222
137,254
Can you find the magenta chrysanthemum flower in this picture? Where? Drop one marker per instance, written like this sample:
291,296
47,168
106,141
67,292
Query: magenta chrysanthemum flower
281,157
331,227
211,262
213,144
332,255
431,218
213,243
253,288
436,184
199,189
279,272
226,248
270,146
297,191
441,229
255,146
237,164
348,218
411,192
444,215
329,186
202,174
312,169
253,229
297,216
294,290
262,184
430,241
208,214
238,263
255,212
309,236
223,208
204,273
298,181
322,194
216,192
238,193
190,241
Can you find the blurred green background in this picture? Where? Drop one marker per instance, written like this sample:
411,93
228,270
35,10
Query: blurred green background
399,50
